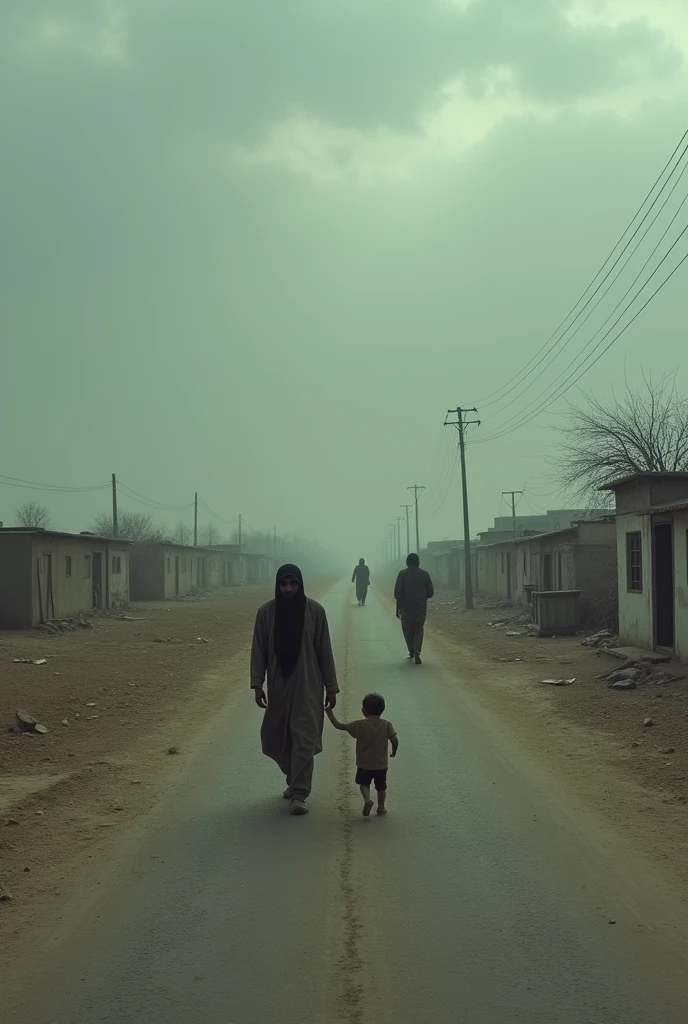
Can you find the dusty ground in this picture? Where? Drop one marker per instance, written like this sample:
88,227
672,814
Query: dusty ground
658,755
593,736
128,690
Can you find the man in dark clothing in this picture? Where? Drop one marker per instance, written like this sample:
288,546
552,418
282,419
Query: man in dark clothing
361,578
412,591
291,646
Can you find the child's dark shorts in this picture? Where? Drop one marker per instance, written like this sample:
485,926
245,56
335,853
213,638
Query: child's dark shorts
365,776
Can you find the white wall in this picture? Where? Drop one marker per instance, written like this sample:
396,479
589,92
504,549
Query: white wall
681,585
635,609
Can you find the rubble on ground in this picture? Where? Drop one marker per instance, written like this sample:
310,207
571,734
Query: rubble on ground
604,638
638,673
25,723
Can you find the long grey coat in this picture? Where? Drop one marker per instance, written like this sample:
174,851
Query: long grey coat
291,733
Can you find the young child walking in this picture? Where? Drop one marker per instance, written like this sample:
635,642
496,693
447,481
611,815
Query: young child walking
373,735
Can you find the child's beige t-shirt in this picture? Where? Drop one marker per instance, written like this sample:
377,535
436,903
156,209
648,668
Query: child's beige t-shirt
372,737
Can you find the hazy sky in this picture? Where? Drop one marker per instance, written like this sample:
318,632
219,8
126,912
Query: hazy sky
258,248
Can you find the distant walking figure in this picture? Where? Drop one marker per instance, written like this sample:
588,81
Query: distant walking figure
291,645
361,578
412,591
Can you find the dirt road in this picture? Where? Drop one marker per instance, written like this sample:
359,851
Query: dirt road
491,893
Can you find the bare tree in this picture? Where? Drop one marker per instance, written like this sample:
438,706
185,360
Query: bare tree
641,432
211,535
33,515
135,526
182,533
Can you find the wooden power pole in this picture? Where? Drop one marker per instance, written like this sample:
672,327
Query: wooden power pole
408,528
461,423
415,491
512,495
115,524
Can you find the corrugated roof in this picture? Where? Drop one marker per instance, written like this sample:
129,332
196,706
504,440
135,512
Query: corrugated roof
13,531
613,484
656,510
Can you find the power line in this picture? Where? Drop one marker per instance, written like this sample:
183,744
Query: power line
13,481
509,426
621,300
522,374
221,519
151,502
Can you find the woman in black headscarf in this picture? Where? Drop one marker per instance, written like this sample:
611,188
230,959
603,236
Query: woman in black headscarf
291,645
361,578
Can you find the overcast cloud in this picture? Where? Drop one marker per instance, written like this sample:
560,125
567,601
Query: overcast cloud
257,249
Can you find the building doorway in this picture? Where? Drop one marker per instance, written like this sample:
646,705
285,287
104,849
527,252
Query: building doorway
663,584
176,575
97,579
547,573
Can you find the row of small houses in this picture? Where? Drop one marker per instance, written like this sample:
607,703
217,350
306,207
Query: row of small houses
630,565
45,574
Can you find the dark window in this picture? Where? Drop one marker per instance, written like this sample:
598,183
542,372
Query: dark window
169,565
502,561
634,562
560,574
68,565
525,564
87,567
116,565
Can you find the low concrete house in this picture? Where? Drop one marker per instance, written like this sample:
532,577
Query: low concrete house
231,567
163,571
445,561
652,550
257,568
582,558
46,574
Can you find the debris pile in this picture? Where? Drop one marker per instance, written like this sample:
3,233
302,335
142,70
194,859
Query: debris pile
602,639
25,723
71,625
638,673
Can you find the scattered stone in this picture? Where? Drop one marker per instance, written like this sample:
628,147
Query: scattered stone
668,750
65,721
558,682
648,722
5,896
612,921
27,725
27,870
45,627
623,684
173,750
135,782
601,639
10,822
635,743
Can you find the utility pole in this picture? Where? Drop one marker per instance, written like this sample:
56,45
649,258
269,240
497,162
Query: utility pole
196,519
399,520
512,495
115,525
416,490
408,528
460,423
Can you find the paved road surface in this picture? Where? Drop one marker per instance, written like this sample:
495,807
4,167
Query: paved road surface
483,897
